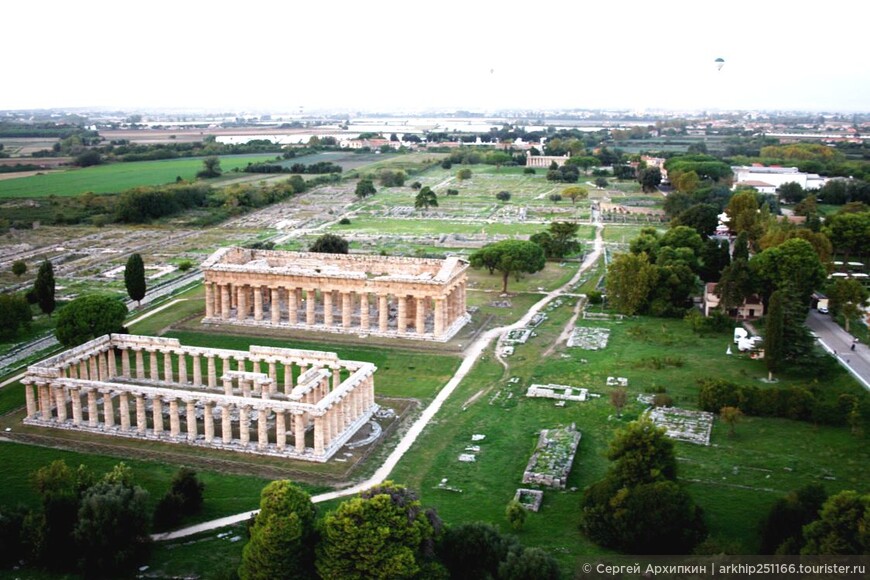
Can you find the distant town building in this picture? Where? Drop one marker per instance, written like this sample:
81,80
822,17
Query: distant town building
752,307
768,179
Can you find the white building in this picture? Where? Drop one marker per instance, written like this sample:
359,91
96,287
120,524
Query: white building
768,179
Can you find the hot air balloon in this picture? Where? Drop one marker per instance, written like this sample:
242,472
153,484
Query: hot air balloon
720,62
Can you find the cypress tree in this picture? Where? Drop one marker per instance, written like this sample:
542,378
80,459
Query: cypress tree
43,288
773,334
134,278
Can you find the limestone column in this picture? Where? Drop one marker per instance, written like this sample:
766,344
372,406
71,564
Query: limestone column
191,421
225,365
93,371
228,385
209,300
167,366
336,378
108,409
463,296
226,424
212,372
245,384
439,316
346,313
208,421
76,396
102,361
242,309
44,399
154,373
402,324
83,370
292,306
73,371
125,362
275,305
280,429
299,435
197,370
225,301
262,429
383,313
93,418
124,410
288,378
174,423
140,364
309,307
245,424
318,435
420,316
327,309
141,417
364,311
157,414
182,368
258,303
60,402
273,376
112,364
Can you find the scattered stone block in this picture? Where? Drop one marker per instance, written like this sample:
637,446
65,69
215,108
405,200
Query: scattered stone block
683,424
589,338
551,462
530,499
561,392
467,458
478,437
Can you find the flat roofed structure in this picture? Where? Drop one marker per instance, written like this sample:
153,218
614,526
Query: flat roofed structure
414,298
321,403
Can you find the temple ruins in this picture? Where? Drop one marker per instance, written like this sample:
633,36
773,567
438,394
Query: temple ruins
298,404
413,298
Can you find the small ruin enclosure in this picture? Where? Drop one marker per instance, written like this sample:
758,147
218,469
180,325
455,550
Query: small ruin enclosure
415,298
589,337
322,402
684,424
551,462
559,392
530,499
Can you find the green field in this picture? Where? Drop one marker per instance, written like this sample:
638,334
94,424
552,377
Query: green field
115,177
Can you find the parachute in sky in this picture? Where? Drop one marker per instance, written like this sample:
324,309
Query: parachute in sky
720,62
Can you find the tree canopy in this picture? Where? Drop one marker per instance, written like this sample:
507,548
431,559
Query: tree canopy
330,244
425,198
88,317
510,257
630,277
43,287
134,278
365,188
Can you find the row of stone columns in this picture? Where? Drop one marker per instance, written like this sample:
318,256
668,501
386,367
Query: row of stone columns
341,310
50,404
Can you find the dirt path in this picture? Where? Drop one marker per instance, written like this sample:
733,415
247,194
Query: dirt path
569,328
472,354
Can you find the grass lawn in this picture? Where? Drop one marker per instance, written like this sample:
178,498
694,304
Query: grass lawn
116,177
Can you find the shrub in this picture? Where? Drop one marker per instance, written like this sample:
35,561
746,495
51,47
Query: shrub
528,171
344,221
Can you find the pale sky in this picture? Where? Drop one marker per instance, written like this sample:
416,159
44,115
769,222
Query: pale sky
400,55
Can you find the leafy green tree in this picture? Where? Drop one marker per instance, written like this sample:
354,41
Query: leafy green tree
731,416
601,182
529,564
559,240
703,218
112,529
584,162
782,527
715,258
211,167
510,257
503,196
555,197
618,398
384,533
425,199
842,527
649,179
390,178
14,314
741,247
791,192
847,296
88,317
743,209
774,334
330,244
516,514
19,267
463,174
849,233
134,278
43,288
642,453
793,266
365,188
630,278
474,550
12,542
282,535
574,193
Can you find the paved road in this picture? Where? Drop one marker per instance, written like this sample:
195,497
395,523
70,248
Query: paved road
839,343
470,357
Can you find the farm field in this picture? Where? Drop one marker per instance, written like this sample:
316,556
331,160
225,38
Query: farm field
115,177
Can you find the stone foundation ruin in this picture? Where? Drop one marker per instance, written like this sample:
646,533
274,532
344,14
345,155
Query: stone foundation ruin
414,298
551,462
322,403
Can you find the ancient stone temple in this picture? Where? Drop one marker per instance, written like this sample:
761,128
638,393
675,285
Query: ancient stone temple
373,295
273,401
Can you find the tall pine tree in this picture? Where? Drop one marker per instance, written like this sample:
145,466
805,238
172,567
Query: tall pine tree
43,288
134,278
